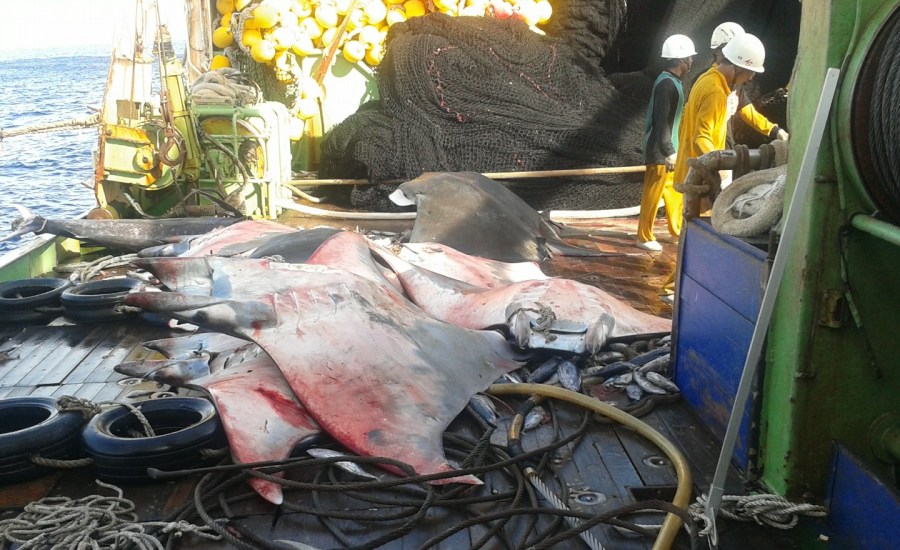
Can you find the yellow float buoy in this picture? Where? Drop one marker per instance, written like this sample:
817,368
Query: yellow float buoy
307,108
375,12
222,38
414,8
219,62
309,88
250,37
296,128
263,51
224,6
326,16
369,36
395,16
354,50
545,10
303,46
328,36
265,16
310,27
375,55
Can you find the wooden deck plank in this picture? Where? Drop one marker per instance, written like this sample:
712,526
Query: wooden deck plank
86,391
118,342
649,461
65,358
108,392
112,338
40,342
132,349
700,446
19,391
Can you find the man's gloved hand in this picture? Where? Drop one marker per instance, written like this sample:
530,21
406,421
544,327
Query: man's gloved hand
670,162
778,133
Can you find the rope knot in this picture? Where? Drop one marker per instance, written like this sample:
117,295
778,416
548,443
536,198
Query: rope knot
70,403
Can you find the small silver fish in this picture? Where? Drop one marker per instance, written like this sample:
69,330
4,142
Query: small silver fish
544,372
620,381
621,347
657,365
634,392
662,382
484,408
350,467
648,386
648,356
142,276
606,357
535,418
591,372
569,376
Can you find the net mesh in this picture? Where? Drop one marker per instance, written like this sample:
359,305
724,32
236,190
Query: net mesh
489,95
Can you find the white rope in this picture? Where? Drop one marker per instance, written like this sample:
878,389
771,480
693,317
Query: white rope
765,509
225,86
749,203
761,193
89,409
71,124
94,522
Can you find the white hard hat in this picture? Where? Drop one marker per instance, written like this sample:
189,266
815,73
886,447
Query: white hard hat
724,33
678,46
746,51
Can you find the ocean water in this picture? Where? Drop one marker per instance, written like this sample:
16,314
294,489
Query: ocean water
48,173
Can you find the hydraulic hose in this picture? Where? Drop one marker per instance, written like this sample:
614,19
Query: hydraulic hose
672,523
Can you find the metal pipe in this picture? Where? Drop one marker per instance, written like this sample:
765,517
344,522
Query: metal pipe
493,175
703,176
229,111
877,228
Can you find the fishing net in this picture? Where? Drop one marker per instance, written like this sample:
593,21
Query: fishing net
590,27
489,95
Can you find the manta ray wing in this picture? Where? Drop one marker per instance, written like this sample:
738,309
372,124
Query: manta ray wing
378,374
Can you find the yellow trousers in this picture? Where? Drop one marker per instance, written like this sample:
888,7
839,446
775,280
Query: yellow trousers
658,184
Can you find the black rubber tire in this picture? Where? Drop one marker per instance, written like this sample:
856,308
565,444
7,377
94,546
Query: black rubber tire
34,426
185,426
98,301
20,299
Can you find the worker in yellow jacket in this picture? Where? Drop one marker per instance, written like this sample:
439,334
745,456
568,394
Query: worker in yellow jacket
704,121
721,36
661,141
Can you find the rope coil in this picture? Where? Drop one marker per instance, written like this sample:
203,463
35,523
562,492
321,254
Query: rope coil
89,409
765,509
95,521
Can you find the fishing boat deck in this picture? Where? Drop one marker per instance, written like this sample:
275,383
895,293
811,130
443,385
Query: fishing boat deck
607,467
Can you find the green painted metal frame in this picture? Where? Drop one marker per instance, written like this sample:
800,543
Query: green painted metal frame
830,363
38,257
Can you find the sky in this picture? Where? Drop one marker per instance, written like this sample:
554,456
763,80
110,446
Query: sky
37,24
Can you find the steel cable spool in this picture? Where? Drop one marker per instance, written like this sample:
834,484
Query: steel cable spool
875,119
884,122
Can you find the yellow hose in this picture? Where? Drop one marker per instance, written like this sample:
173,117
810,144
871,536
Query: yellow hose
682,498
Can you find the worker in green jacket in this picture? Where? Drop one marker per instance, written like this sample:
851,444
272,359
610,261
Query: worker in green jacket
704,122
661,141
